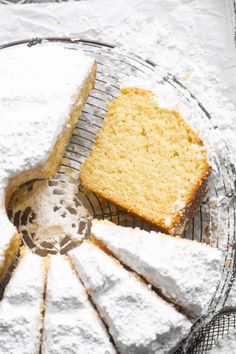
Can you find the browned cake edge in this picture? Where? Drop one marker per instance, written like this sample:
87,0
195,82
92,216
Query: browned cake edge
186,214
182,218
51,165
54,158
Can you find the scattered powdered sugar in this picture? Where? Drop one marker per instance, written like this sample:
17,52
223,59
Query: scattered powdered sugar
171,95
225,345
50,214
192,40
187,272
71,324
168,221
231,301
42,110
20,309
167,42
218,204
38,89
138,320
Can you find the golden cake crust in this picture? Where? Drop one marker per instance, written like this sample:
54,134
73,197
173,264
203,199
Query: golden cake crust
110,152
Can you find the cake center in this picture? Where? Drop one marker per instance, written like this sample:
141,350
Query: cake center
53,216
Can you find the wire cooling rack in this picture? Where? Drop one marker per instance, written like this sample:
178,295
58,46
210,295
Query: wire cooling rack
215,220
203,339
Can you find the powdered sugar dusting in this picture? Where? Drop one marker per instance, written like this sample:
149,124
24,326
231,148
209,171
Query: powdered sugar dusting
187,272
187,38
38,89
52,215
138,320
41,109
20,309
71,324
225,345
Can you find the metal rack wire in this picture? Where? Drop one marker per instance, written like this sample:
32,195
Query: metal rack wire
204,338
214,222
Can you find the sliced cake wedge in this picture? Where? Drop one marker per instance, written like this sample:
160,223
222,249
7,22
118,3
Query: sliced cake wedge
148,160
43,89
22,305
138,319
187,272
71,324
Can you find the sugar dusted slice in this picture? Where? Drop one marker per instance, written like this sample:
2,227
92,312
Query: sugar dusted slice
20,309
71,323
138,320
185,271
43,89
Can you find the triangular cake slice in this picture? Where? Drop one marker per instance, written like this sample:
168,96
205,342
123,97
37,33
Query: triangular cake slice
149,161
138,319
71,324
42,91
186,271
22,305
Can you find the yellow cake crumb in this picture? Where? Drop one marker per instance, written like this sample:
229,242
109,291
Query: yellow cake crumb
148,160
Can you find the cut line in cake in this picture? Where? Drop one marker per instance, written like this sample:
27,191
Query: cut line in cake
71,324
139,320
21,308
110,283
186,272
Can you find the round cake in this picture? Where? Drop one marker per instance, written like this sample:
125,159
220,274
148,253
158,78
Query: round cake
115,289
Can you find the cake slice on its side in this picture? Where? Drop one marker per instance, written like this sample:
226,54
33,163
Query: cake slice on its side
138,320
43,89
71,324
148,161
21,307
187,272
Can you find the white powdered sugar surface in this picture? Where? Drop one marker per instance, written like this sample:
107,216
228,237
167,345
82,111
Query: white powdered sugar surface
192,40
225,345
51,212
138,319
20,309
231,300
185,271
71,324
38,90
